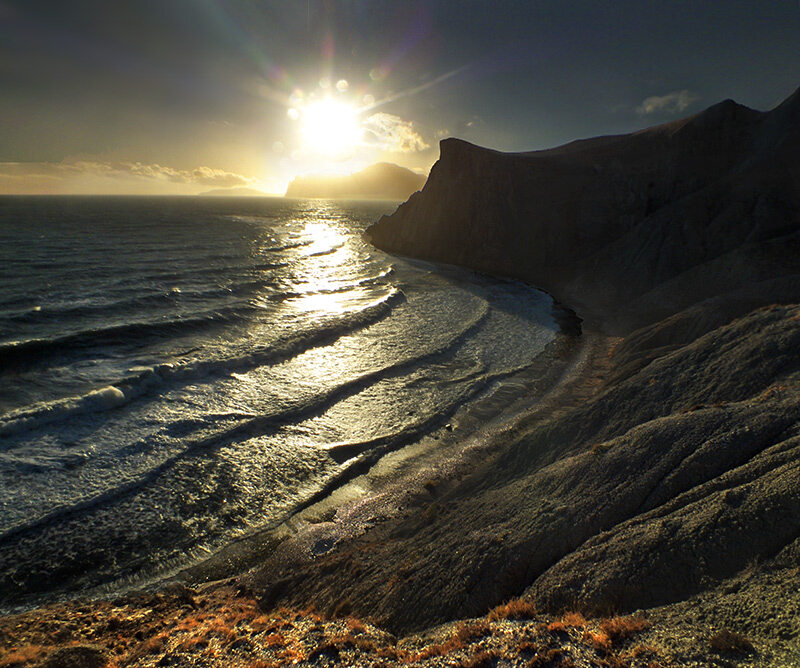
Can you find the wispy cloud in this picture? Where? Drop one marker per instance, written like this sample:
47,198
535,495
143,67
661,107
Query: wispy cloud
111,177
671,103
392,133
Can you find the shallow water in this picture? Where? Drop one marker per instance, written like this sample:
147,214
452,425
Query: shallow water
176,373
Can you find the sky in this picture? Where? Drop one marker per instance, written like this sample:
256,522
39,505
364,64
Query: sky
185,96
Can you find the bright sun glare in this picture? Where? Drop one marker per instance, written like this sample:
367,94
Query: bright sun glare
330,127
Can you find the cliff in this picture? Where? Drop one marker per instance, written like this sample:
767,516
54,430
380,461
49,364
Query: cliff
382,180
629,228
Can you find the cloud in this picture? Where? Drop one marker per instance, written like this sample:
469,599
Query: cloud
206,176
84,176
392,133
671,103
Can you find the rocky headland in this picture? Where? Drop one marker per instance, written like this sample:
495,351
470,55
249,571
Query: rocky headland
382,180
627,229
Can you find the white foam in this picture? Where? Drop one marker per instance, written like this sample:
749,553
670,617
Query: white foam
37,415
104,398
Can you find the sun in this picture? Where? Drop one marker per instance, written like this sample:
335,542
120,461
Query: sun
330,127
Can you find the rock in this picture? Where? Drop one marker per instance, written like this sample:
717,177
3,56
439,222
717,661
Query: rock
181,592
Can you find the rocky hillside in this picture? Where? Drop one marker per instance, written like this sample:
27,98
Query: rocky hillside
666,477
630,228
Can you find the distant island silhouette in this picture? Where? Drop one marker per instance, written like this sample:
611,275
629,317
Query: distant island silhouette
233,192
383,180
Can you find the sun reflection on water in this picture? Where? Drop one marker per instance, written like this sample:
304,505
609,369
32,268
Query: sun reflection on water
324,237
322,287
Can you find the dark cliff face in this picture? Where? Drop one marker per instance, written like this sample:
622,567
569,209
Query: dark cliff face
633,226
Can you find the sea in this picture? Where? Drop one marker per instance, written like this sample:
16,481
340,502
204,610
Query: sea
177,373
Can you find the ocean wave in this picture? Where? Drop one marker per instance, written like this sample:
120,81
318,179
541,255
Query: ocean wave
268,424
143,379
325,251
88,308
336,289
15,355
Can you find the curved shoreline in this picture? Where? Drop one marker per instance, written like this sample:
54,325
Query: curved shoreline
444,451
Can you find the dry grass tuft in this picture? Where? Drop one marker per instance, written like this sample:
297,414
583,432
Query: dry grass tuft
263,623
463,636
613,631
193,643
620,628
355,625
15,656
598,640
514,609
469,631
731,641
154,645
570,620
274,640
776,391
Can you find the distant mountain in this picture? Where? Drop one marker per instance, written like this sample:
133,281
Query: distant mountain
382,180
234,192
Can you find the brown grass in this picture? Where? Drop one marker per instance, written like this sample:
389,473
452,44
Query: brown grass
263,623
154,644
219,628
355,625
568,621
621,628
469,631
613,631
465,634
773,392
527,646
598,640
731,641
274,640
639,652
437,650
514,609
18,655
